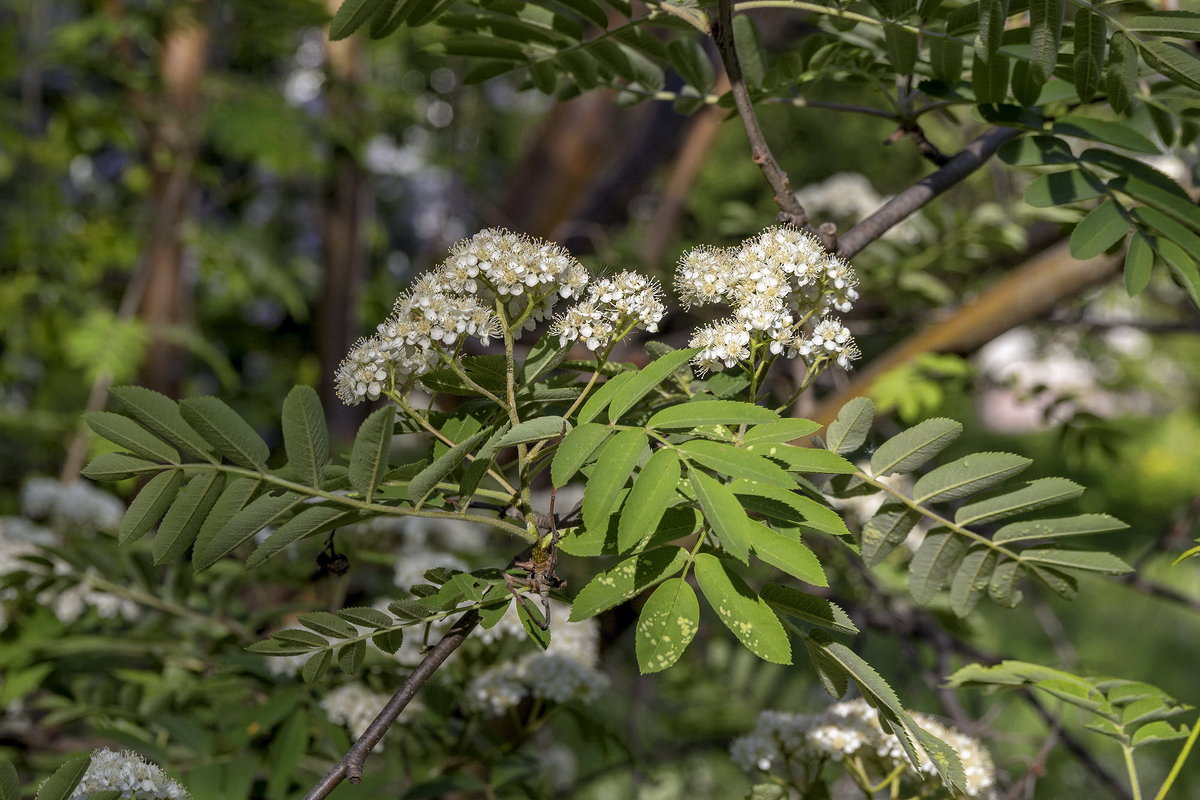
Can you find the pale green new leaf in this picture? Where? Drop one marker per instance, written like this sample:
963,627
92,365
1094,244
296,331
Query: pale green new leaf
305,436
574,451
603,396
848,432
808,608
124,432
786,554
736,462
534,430
933,563
711,412
966,476
785,430
910,449
226,431
652,492
666,626
308,522
1159,732
622,581
368,459
1103,227
1081,525
882,533
1036,494
149,506
612,471
645,380
185,516
971,580
263,511
161,415
1085,560
724,514
745,613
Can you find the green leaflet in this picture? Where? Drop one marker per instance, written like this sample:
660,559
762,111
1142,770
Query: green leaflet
711,412
161,415
789,507
1085,560
620,455
933,562
575,450
971,580
724,514
1139,260
901,48
1081,525
786,554
118,467
603,396
305,436
1103,227
265,510
1180,24
1161,196
652,492
735,461
750,50
1173,61
149,506
226,431
742,611
474,472
785,430
627,578
187,513
1002,587
1061,188
1045,30
350,16
1036,494
1035,151
238,492
368,459
1102,130
124,432
992,14
989,79
883,532
910,449
350,656
644,381
366,617
808,608
809,460
10,788
315,668
534,430
848,432
966,476
1120,74
328,624
288,747
1091,33
308,522
666,626
691,62
62,783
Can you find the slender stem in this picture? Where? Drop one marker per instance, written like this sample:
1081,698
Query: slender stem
350,765
152,601
1177,767
510,385
760,151
1131,769
457,369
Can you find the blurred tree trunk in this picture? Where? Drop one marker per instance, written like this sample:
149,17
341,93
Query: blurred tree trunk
344,216
171,152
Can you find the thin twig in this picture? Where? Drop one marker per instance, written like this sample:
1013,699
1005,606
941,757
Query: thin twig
790,209
900,207
350,766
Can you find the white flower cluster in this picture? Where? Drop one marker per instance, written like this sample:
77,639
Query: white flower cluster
776,282
71,506
355,706
566,670
613,308
130,774
69,604
805,741
457,300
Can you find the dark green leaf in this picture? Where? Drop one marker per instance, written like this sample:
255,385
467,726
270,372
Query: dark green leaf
971,580
351,16
226,431
989,79
966,476
1002,588
992,14
161,415
883,532
1035,151
1103,227
368,459
738,462
652,492
575,450
366,617
711,412
305,436
62,783
901,48
785,430
1036,494
848,432
644,381
1180,24
627,578
124,432
327,624
1120,74
474,472
933,563
118,467
534,430
185,516
1139,259
612,471
1081,525
804,459
309,522
389,641
724,514
1090,36
1045,28
149,506
1181,209
1173,61
745,613
1102,130
692,63
1060,188
238,492
315,668
666,626
263,511
910,449
350,656
751,53
808,608
1088,561
1181,264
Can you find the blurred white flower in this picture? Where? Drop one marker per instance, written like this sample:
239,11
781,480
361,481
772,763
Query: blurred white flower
128,773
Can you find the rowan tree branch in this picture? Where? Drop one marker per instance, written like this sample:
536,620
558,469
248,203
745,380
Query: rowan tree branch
350,766
790,209
903,205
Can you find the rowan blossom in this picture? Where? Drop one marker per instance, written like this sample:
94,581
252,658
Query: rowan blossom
614,306
128,773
